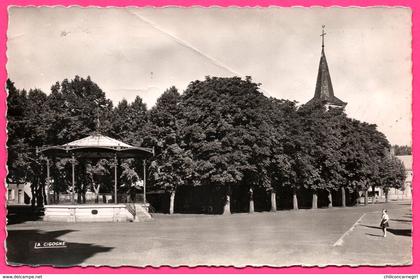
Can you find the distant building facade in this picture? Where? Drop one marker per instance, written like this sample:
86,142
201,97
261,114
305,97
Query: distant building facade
19,194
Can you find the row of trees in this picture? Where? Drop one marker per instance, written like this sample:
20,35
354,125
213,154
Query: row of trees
402,150
221,132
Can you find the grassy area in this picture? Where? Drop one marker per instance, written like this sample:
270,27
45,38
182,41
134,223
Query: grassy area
276,239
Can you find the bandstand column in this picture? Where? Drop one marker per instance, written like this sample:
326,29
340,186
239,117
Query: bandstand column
115,179
47,191
144,181
73,162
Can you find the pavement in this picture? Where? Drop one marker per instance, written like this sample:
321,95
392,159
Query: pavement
321,237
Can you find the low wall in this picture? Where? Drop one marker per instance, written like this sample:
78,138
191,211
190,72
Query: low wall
96,213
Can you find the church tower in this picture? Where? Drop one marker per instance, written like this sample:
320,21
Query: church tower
324,90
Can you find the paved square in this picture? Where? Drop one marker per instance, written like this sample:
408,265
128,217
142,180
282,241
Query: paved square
305,237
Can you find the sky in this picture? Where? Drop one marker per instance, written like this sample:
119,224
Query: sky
143,51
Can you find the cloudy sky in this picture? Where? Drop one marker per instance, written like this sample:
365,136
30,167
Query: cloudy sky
143,51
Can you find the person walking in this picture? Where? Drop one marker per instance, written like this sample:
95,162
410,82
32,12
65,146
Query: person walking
384,222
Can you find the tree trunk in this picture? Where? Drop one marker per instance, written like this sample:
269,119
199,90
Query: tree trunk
386,195
33,195
295,201
45,194
40,200
366,197
273,201
329,199
35,186
84,197
79,197
314,200
96,189
373,192
251,201
171,202
40,194
226,209
343,197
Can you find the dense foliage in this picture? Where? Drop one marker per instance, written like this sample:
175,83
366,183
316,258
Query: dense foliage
221,133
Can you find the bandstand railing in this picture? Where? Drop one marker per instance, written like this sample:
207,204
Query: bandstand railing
91,198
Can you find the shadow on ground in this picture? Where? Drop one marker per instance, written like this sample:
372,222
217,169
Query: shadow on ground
371,227
20,249
401,220
376,235
19,214
402,232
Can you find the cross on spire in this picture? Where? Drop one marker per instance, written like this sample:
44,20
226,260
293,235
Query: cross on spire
323,35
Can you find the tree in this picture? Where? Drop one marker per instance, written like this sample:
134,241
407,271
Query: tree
121,124
129,121
98,176
130,180
75,107
364,150
37,119
222,133
275,163
26,130
318,141
393,174
172,165
225,129
61,177
17,146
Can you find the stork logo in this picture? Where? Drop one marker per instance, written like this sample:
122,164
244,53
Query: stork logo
50,244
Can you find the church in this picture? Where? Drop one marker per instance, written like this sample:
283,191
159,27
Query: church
324,91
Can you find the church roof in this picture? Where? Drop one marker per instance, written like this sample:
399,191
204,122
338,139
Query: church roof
324,91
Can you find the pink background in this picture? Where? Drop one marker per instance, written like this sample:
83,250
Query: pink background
413,4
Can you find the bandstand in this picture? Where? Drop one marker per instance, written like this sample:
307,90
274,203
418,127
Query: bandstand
96,146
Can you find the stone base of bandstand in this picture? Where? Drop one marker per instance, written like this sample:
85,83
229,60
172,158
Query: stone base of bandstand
142,212
97,213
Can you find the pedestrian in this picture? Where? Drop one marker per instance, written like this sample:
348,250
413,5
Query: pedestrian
384,222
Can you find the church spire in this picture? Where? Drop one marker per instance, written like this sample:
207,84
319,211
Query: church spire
324,91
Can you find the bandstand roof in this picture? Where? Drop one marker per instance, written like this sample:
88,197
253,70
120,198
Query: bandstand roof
97,140
97,146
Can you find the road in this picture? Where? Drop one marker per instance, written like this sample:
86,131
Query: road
335,236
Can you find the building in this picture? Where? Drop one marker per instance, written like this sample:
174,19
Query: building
324,91
19,194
